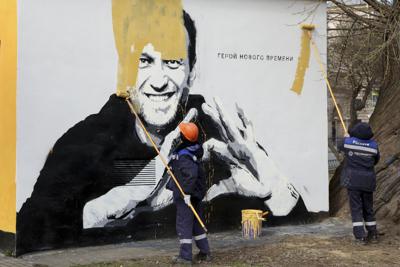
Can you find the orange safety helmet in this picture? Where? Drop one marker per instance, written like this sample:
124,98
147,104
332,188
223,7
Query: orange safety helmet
189,131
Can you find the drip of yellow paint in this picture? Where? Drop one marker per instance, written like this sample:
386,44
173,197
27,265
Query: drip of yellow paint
303,63
8,78
137,23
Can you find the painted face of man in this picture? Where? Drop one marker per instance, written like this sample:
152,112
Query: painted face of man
160,85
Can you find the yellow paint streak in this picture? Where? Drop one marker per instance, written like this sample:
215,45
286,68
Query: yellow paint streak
137,23
8,78
303,62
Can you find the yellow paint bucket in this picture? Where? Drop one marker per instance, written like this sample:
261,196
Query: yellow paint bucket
252,223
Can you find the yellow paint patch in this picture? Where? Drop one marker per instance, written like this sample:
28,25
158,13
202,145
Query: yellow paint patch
137,23
8,78
303,62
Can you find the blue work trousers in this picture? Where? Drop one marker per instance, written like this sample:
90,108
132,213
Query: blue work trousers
362,213
188,228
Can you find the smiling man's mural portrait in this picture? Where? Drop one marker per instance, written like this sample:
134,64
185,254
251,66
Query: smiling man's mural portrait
103,173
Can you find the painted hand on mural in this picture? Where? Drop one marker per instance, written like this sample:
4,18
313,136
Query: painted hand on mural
253,173
116,203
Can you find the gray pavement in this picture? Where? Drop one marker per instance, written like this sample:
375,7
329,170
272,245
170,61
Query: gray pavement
13,262
165,247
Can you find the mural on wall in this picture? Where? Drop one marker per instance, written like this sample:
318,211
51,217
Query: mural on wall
103,171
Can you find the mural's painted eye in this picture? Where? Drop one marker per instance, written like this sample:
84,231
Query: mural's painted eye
144,62
173,64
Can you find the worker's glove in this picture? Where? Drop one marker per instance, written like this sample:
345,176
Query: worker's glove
253,172
187,200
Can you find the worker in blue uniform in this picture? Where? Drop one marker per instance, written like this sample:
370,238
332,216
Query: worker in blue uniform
358,176
186,166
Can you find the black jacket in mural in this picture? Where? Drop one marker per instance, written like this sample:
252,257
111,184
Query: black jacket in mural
361,155
187,169
80,168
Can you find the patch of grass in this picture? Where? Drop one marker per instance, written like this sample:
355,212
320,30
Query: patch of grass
9,253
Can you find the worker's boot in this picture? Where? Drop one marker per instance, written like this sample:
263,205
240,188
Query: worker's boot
179,260
203,257
361,241
373,237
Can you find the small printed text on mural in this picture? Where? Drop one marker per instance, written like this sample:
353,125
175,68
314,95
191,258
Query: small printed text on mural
255,57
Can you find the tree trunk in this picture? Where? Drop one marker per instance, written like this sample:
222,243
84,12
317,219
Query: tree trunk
385,122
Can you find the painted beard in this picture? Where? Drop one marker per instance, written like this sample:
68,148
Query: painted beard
159,109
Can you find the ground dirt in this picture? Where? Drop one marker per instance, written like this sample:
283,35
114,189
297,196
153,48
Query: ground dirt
300,250
327,242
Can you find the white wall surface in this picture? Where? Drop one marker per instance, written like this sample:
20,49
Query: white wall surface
67,66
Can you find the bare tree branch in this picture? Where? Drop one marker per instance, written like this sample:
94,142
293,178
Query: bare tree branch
352,14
